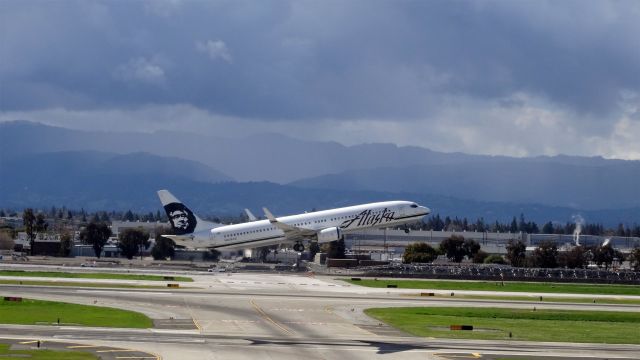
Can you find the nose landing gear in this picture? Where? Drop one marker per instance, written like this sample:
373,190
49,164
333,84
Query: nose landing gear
299,247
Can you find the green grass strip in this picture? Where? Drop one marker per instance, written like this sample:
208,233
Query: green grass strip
39,312
545,299
5,353
512,286
523,324
90,275
79,284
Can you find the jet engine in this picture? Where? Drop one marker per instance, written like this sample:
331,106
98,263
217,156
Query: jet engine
329,234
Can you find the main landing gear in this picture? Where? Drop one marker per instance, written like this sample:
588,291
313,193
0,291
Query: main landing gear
299,247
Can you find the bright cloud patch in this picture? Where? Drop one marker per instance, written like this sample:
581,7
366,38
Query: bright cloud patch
141,70
215,50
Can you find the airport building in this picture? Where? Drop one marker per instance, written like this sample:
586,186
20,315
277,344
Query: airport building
389,244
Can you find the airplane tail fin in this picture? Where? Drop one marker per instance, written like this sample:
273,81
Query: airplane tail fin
182,219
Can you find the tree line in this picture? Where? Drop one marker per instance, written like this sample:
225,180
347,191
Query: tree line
545,255
521,224
434,222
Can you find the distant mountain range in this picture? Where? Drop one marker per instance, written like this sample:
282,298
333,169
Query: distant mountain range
592,187
42,166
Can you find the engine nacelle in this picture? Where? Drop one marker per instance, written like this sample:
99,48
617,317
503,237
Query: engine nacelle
329,234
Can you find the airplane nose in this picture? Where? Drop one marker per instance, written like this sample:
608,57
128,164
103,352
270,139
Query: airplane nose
427,210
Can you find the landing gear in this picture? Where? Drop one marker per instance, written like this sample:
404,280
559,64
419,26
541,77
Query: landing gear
299,247
406,230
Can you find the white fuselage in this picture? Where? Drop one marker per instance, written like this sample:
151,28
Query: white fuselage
347,219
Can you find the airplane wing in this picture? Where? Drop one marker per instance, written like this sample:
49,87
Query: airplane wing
291,232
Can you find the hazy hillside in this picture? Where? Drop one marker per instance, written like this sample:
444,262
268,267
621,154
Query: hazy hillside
583,187
104,171
266,157
93,179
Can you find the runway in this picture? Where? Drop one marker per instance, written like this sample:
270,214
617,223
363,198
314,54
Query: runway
242,316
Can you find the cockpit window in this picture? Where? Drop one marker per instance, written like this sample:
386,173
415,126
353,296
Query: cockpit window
414,205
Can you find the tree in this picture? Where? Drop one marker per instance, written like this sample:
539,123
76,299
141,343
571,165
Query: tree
128,216
573,259
514,226
516,252
546,255
314,248
6,242
96,234
453,248
131,240
336,249
471,248
419,253
634,259
604,255
547,228
479,257
66,242
211,255
33,225
494,259
164,247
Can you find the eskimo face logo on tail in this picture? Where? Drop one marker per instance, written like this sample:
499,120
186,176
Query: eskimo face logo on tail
368,218
182,219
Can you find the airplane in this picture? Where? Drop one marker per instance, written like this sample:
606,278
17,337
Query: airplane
321,226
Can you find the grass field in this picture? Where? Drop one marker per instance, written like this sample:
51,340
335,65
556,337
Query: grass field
545,299
513,286
530,325
5,353
38,312
88,275
79,284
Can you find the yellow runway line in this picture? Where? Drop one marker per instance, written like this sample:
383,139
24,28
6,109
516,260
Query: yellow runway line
197,324
30,342
117,350
266,317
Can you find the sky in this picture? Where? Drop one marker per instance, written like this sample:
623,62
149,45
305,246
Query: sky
518,78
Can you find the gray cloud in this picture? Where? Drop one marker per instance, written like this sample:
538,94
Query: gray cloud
449,65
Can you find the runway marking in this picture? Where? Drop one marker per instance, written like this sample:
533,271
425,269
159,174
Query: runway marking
82,346
117,350
456,356
136,357
30,342
195,322
193,318
266,317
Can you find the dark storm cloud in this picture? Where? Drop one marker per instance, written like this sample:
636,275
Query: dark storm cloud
317,59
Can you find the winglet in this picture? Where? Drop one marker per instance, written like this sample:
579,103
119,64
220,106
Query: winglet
269,215
250,215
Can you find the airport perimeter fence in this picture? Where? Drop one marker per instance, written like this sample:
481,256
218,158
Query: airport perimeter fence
502,273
